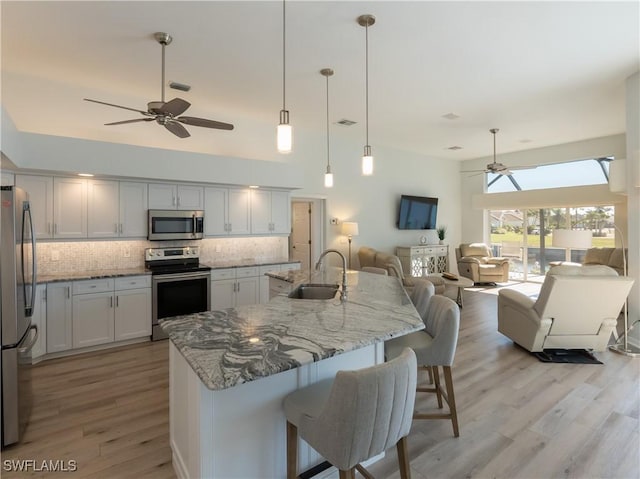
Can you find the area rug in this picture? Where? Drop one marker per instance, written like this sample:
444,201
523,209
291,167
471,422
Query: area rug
580,356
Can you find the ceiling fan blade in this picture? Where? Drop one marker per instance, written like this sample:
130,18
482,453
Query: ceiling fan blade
175,107
177,129
129,121
522,167
190,120
117,106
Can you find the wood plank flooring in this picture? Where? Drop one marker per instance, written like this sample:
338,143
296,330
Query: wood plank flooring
519,418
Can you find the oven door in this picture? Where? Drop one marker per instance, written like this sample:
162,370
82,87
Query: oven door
175,225
177,294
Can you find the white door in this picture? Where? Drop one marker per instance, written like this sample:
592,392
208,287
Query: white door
248,291
163,196
239,217
92,319
190,197
133,209
215,211
40,190
103,200
59,317
260,212
132,314
301,233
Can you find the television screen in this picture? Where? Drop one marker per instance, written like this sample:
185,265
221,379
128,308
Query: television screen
417,213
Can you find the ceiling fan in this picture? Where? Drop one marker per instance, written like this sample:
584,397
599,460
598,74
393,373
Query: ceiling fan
495,167
168,113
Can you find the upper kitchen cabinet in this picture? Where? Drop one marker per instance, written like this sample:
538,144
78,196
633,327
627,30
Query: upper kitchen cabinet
116,209
69,208
133,209
175,197
40,190
270,212
226,211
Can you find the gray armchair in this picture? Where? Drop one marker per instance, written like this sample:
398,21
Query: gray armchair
476,262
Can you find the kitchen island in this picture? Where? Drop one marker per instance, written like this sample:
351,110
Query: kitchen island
230,370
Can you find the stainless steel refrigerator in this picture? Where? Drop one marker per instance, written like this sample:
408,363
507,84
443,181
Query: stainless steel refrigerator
17,296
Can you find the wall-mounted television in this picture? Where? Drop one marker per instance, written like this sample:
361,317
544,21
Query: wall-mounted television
417,213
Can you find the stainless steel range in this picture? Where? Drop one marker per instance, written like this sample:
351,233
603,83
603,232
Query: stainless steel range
181,285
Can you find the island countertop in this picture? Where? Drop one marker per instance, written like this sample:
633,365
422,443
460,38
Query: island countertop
237,345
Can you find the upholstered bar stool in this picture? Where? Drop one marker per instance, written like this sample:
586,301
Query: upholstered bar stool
355,416
435,347
374,270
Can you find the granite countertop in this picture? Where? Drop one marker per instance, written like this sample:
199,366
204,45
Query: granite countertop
97,274
246,262
237,345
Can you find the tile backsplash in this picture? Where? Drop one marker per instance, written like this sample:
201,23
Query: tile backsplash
66,257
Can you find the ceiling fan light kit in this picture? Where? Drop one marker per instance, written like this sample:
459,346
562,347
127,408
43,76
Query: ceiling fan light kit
367,158
168,113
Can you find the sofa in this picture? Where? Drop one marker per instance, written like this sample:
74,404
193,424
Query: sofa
476,262
611,257
577,308
370,257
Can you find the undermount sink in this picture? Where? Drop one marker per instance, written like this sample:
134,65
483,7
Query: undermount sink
314,291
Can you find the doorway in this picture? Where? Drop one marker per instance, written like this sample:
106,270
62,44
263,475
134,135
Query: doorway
307,233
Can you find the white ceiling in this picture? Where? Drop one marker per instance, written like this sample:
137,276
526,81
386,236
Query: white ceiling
545,73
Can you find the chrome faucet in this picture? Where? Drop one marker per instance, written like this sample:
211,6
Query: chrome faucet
343,293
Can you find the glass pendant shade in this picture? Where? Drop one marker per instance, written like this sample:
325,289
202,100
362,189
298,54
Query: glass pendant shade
328,180
367,162
285,134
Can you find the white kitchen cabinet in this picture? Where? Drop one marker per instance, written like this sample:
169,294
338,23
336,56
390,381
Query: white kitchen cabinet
270,287
133,210
231,287
93,312
59,317
270,212
40,190
39,319
226,211
132,314
264,281
103,198
69,207
164,196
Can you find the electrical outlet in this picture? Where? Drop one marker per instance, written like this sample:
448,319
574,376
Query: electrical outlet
127,253
333,221
55,255
218,248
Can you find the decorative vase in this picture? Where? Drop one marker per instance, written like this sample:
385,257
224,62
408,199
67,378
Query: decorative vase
441,241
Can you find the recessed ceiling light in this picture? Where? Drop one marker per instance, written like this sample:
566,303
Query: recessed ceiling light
345,122
85,174
451,116
455,147
525,140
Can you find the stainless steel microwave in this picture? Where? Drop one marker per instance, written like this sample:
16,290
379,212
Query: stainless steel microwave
176,224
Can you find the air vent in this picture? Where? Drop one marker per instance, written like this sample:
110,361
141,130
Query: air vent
455,147
345,122
451,116
179,86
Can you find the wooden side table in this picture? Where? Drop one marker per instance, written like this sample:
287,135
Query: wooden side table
461,283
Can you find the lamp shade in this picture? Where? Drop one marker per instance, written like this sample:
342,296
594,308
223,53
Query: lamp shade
350,228
577,239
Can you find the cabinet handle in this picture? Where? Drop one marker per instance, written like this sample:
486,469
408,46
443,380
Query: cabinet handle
178,201
111,302
238,287
117,301
55,228
49,228
116,225
68,288
230,228
120,228
173,202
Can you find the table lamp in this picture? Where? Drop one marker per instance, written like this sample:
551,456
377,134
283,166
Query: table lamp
350,228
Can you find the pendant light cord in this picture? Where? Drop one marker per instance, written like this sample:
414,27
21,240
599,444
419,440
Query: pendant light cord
366,76
284,57
328,166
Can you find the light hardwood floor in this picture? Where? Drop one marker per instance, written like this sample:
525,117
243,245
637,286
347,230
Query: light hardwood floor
519,418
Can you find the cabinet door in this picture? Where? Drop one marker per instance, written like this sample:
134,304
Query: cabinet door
102,209
92,319
70,208
280,212
40,190
215,211
260,212
247,291
59,317
133,210
223,294
239,212
132,314
190,197
39,319
163,196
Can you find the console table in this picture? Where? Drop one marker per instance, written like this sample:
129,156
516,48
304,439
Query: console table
424,259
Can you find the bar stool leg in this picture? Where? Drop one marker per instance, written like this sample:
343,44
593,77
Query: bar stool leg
292,451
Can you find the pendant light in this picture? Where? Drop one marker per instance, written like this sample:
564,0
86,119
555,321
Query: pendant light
367,158
328,176
284,133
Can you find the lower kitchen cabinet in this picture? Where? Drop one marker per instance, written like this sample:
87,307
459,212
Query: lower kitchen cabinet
132,314
59,317
231,287
92,319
